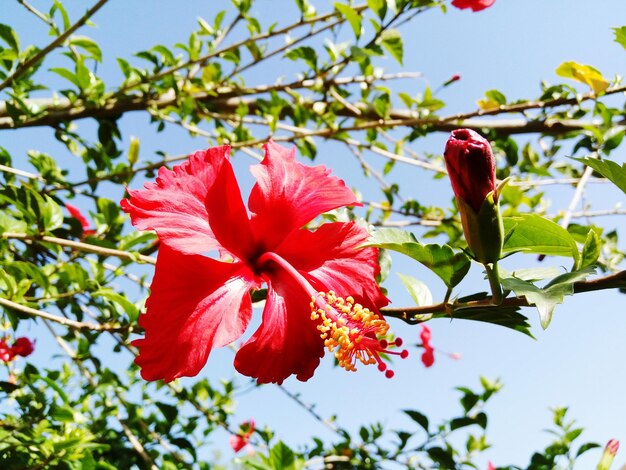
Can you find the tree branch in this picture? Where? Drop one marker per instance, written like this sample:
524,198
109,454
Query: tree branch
410,314
99,250
77,325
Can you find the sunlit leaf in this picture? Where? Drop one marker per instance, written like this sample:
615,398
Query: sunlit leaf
584,74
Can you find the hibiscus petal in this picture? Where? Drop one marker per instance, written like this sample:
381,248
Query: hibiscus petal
289,194
196,303
333,261
287,342
175,206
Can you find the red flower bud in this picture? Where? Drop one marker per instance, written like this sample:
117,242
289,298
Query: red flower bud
471,167
475,5
23,347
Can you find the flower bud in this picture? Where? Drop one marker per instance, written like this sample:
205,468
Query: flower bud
472,172
609,454
471,167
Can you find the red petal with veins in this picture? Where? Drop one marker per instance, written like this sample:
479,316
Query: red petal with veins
288,195
175,206
330,258
287,342
228,217
196,303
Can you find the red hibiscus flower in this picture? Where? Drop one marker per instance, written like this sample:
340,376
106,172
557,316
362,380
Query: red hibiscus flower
198,303
77,214
475,5
23,347
239,441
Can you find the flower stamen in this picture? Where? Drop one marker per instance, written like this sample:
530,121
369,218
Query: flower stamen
353,332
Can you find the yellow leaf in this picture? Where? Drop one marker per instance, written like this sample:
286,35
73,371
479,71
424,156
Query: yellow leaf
583,73
487,104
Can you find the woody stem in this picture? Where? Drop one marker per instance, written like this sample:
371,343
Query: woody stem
494,281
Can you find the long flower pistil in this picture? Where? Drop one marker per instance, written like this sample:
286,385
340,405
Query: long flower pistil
353,332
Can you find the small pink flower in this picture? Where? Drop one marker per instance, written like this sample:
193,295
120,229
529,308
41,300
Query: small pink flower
490,466
6,353
428,357
475,5
239,441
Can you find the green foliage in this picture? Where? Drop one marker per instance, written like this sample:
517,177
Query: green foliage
609,169
449,266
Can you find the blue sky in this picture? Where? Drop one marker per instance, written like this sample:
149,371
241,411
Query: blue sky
512,46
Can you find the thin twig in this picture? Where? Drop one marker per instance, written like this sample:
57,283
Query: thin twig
78,325
37,13
309,409
578,194
99,250
25,66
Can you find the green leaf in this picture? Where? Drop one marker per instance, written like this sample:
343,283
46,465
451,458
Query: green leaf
419,291
89,45
379,7
451,267
392,41
493,100
546,298
282,457
609,169
591,249
51,213
531,233
620,36
508,317
584,74
351,15
67,75
10,37
305,53
419,418
126,305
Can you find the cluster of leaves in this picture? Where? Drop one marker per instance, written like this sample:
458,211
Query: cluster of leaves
452,444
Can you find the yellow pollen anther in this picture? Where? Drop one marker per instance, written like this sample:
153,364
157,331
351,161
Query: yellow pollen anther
352,331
